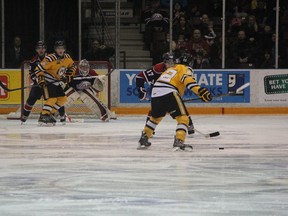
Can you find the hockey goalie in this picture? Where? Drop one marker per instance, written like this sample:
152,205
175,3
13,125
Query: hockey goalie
86,84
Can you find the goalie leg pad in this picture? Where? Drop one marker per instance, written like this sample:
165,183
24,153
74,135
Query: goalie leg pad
90,99
72,96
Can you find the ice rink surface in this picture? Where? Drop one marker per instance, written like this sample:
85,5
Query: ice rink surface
93,168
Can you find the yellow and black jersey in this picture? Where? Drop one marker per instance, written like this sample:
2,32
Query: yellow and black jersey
54,67
175,79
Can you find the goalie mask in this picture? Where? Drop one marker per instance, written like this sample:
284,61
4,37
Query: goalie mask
84,67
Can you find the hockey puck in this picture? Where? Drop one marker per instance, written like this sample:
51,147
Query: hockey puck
221,148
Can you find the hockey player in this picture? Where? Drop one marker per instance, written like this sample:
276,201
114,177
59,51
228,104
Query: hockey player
53,73
166,97
36,91
85,86
152,74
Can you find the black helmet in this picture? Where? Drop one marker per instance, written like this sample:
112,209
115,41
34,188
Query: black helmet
185,59
59,43
168,59
168,56
40,44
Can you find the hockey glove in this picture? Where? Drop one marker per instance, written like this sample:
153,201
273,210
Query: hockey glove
142,93
204,94
41,81
69,75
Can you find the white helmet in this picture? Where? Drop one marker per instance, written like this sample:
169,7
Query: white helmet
84,67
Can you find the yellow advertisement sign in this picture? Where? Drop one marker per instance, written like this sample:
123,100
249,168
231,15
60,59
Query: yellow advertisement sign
11,78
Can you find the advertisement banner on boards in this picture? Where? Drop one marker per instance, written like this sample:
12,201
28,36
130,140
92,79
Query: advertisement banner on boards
273,86
12,79
216,81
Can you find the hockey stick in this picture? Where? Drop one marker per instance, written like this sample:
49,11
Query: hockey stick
208,135
222,95
15,89
24,87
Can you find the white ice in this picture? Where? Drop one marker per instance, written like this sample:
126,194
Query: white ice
93,168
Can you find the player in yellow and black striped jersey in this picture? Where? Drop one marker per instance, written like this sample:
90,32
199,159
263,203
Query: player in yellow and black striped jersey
53,73
166,97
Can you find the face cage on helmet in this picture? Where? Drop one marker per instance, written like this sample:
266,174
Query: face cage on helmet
83,70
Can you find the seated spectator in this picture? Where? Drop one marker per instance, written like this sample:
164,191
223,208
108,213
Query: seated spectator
241,52
177,12
265,38
267,61
181,46
192,12
199,62
235,24
197,44
156,19
251,28
15,54
99,52
182,28
203,26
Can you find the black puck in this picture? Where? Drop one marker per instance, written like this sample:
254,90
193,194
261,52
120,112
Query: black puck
221,148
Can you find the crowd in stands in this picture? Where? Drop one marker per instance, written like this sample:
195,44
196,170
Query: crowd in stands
250,36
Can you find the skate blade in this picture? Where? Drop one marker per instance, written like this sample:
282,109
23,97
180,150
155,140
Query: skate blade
187,149
42,124
141,147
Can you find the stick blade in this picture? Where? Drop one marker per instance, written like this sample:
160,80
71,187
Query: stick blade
217,133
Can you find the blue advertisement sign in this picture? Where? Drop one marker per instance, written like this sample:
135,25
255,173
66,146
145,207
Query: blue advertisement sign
216,81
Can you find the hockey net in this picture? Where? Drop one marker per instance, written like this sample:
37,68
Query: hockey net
78,109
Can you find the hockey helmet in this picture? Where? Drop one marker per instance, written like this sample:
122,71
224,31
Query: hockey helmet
185,59
59,44
40,44
84,67
168,59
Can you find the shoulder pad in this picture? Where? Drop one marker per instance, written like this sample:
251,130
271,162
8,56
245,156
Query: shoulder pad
50,57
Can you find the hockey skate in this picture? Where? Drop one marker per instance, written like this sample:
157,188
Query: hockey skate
46,120
63,119
143,142
23,119
191,129
180,146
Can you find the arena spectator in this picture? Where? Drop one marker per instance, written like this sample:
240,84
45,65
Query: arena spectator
197,44
241,52
214,51
182,28
156,20
199,62
251,28
177,12
267,61
15,54
99,52
203,26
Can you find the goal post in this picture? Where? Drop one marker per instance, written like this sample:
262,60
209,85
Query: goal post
78,109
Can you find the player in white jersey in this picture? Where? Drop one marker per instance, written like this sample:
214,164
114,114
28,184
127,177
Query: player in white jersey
166,97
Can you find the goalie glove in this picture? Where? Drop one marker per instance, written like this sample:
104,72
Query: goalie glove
142,93
41,80
204,94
